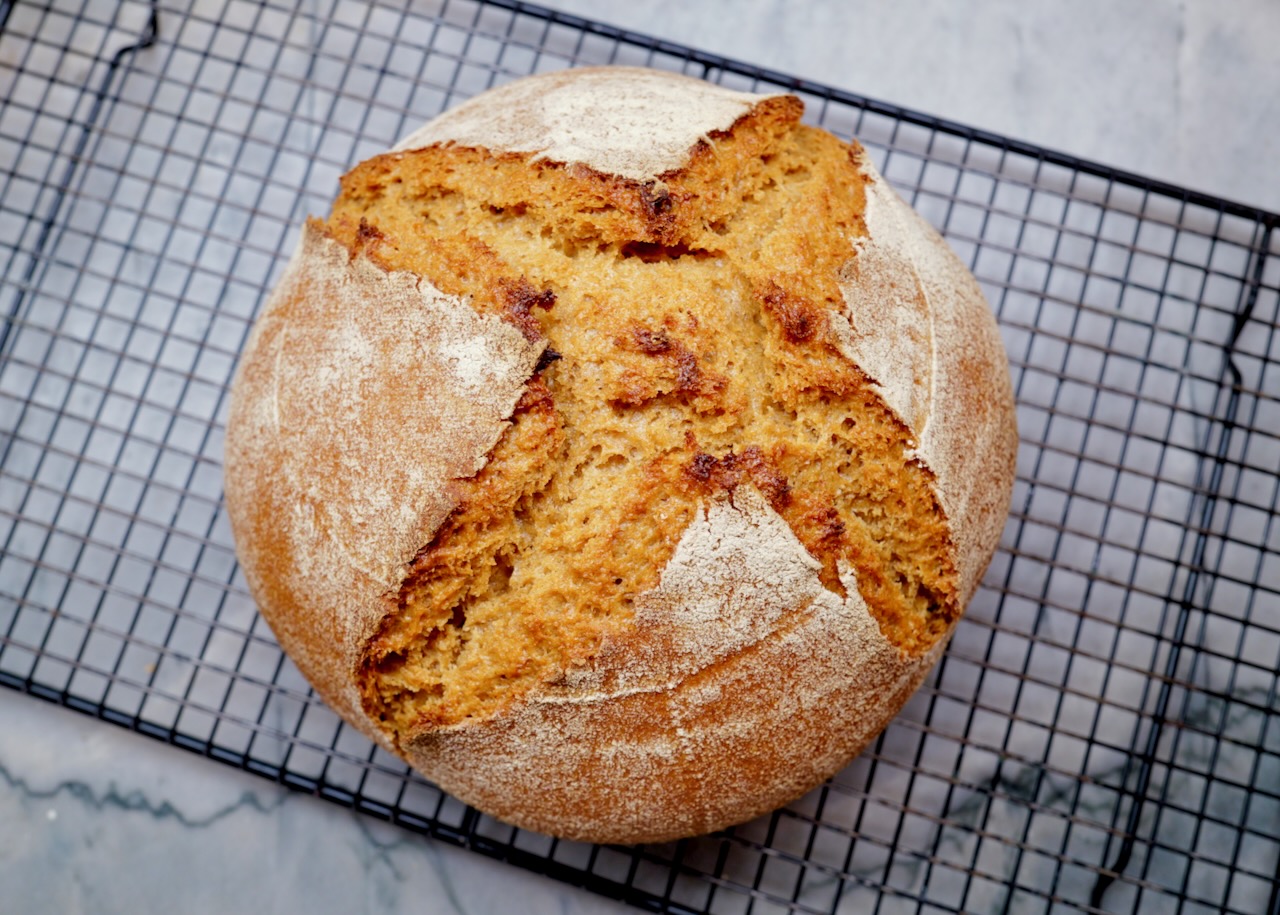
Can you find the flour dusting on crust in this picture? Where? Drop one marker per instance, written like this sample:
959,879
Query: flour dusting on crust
624,121
362,394
917,323
739,680
699,686
737,570
886,328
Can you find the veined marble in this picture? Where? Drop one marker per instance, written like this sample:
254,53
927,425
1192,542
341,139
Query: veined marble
95,819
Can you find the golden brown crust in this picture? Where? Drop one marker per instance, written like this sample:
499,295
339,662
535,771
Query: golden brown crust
696,724
469,555
680,209
939,362
630,123
743,453
329,490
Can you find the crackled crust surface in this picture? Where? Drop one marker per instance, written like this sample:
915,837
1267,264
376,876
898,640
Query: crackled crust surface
710,441
602,118
349,369
681,732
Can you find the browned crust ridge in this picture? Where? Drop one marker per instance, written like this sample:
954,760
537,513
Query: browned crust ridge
630,504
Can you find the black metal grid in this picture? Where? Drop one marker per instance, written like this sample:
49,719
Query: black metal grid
1102,734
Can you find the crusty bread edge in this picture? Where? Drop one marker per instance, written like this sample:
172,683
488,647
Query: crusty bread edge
973,484
666,750
598,117
534,766
947,379
330,497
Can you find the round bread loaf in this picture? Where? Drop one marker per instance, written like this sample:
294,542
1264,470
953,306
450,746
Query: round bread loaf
621,452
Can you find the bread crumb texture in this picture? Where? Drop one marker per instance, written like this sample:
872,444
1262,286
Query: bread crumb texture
697,329
704,506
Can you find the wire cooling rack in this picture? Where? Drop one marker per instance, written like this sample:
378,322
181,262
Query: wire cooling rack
1102,734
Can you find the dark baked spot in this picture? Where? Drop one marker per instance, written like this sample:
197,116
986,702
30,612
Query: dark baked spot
536,397
548,356
689,375
519,298
799,318
657,198
768,479
815,519
734,468
825,522
651,342
653,253
701,467
367,234
676,369
633,389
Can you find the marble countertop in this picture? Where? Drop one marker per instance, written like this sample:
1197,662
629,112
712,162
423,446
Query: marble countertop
1183,92
95,819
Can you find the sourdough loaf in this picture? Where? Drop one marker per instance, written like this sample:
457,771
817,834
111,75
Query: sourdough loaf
619,451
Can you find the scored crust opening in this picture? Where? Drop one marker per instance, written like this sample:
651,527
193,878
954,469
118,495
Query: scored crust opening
693,331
